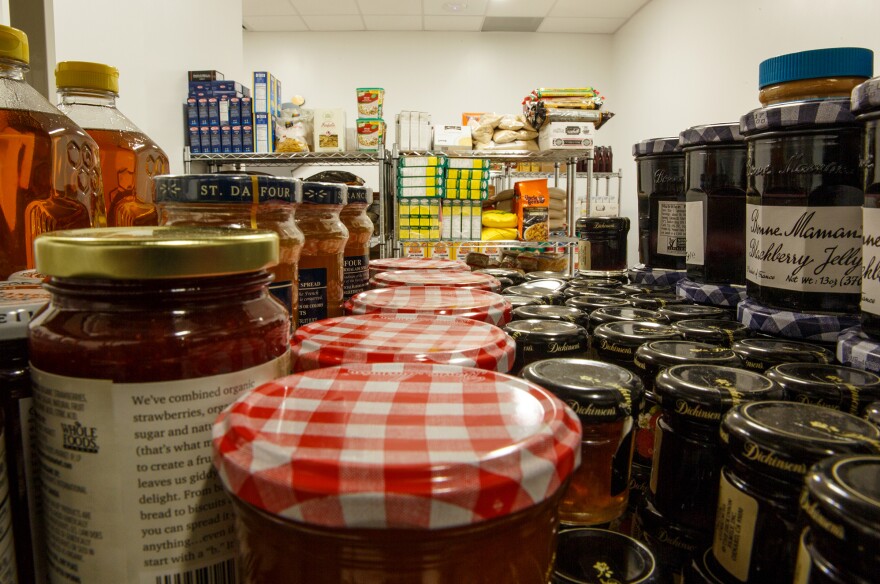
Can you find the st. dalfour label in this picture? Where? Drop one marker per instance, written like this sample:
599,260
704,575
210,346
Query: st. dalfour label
871,261
355,275
805,249
671,228
696,240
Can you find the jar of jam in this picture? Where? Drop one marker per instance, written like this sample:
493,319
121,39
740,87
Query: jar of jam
321,265
602,245
547,275
770,447
149,333
674,545
356,262
462,302
715,185
550,312
589,302
654,357
588,290
693,400
805,192
760,354
543,294
713,330
401,338
515,277
546,339
677,312
240,202
841,509
635,288
622,313
832,386
616,342
389,264
662,227
607,399
584,280
872,413
373,504
597,556
866,105
517,301
653,301
436,278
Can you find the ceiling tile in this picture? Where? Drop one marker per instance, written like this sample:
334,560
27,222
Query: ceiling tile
596,8
455,7
338,22
274,23
511,23
519,7
403,22
396,7
325,7
266,7
470,23
582,25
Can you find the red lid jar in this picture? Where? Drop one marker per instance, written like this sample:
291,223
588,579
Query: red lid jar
463,302
390,264
436,278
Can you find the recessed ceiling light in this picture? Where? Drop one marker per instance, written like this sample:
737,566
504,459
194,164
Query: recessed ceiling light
454,6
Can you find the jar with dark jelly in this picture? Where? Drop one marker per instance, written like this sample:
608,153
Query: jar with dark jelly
599,556
550,312
832,386
547,275
602,245
545,339
587,290
693,399
872,413
514,276
616,342
653,301
606,399
544,294
622,313
517,301
770,447
715,190
661,202
677,312
632,289
587,280
840,508
760,354
589,302
713,330
866,105
674,545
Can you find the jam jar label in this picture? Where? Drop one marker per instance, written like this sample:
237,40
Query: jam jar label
7,544
129,492
585,252
735,522
871,261
695,243
805,249
355,275
671,228
312,295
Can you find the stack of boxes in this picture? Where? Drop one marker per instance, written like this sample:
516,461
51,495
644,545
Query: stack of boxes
267,105
218,115
420,183
414,130
466,187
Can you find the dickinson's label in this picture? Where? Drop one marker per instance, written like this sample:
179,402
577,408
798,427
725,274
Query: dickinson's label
806,249
355,275
735,523
696,241
312,295
871,261
671,228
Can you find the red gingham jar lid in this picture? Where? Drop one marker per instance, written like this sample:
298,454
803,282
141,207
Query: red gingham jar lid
436,278
396,445
463,302
402,338
388,264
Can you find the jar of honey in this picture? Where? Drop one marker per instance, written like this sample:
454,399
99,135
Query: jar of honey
832,386
375,476
866,105
462,302
661,202
356,262
149,333
607,399
760,354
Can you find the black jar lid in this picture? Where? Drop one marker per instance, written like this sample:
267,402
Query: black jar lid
783,439
544,285
225,188
573,290
711,135
655,301
623,337
623,313
599,556
667,353
703,393
648,289
760,354
842,499
357,194
505,282
323,193
798,115
581,279
595,391
546,296
546,275
677,312
545,331
872,413
713,330
605,226
514,275
589,303
548,312
842,388
655,146
660,529
517,301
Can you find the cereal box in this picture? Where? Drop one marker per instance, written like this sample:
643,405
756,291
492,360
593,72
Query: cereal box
532,201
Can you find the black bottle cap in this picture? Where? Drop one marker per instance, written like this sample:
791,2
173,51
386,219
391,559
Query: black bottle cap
648,289
713,330
548,312
601,225
530,289
515,276
545,331
517,301
623,313
833,386
599,556
545,275
666,353
622,338
590,302
591,281
586,290
657,531
759,354
677,312
654,301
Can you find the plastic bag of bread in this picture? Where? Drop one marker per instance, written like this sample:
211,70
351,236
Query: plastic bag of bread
504,136
510,122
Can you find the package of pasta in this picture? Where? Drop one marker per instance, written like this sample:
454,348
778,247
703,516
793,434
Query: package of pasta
532,209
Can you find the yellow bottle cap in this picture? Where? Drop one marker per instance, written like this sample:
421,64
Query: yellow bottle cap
87,75
14,44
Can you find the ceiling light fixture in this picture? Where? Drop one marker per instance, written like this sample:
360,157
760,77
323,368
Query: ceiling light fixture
454,6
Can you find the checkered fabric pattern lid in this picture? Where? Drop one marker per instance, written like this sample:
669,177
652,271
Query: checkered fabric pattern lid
436,278
710,134
396,445
866,97
643,275
401,338
463,302
714,294
856,349
388,264
657,146
18,303
796,115
794,325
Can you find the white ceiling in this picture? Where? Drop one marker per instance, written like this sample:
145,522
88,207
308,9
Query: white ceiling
550,16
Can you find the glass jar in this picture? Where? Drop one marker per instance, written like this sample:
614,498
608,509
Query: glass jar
389,264
815,74
713,330
872,413
129,159
536,290
516,301
674,545
840,507
582,289
715,185
547,275
602,245
656,301
462,302
622,313
607,400
240,202
52,164
866,104
616,342
436,278
693,399
515,277
582,280
770,447
643,288
761,354
356,266
832,386
546,339
589,302
369,507
677,312
550,312
321,273
661,198
593,556
149,333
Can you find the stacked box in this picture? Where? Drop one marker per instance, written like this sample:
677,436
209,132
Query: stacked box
413,130
266,105
212,103
461,220
467,180
419,187
419,218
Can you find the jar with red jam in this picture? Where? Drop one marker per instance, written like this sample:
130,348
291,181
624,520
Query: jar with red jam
149,333
390,264
661,198
436,278
866,105
391,472
464,302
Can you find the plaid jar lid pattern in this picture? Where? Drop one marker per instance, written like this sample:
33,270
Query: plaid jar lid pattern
469,303
389,264
403,338
396,445
436,278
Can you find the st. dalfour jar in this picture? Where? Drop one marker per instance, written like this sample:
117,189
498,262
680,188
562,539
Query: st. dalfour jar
356,262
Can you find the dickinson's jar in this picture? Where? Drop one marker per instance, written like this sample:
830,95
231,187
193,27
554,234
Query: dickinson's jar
594,556
150,332
805,194
866,104
760,354
397,473
356,267
715,185
662,228
546,339
833,386
602,245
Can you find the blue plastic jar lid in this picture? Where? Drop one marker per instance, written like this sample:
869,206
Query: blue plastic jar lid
818,63
653,146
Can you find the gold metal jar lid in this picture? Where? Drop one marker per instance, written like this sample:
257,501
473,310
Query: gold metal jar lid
148,253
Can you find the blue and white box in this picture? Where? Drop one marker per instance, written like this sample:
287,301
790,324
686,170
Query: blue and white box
262,133
195,140
214,135
202,103
213,112
192,112
225,139
236,139
234,111
247,111
247,138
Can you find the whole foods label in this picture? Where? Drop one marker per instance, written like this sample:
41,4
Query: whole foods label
671,228
871,261
355,275
735,522
806,249
696,241
312,295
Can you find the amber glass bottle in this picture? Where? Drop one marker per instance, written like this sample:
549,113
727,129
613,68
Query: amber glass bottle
356,268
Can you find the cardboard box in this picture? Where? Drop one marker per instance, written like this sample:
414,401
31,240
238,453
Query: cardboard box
213,112
202,105
236,139
205,139
247,111
223,106
192,112
247,138
566,136
451,138
214,136
205,75
262,92
225,139
402,129
195,141
235,111
329,130
532,204
262,133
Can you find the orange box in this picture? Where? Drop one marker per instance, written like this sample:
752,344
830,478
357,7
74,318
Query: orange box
468,116
532,203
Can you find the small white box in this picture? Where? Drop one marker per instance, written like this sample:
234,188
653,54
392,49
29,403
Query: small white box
450,138
566,136
404,131
329,130
424,131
